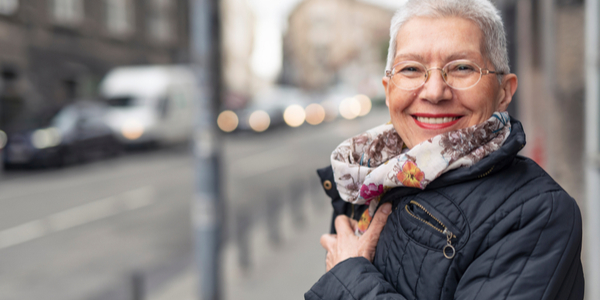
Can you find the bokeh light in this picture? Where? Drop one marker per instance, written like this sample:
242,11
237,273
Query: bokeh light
46,138
349,108
294,115
365,104
132,130
228,121
259,121
315,114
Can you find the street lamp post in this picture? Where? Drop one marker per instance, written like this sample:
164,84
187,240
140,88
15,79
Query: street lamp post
206,204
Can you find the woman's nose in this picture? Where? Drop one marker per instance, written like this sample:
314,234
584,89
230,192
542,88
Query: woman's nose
435,88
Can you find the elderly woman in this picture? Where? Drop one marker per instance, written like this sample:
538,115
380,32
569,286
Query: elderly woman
437,204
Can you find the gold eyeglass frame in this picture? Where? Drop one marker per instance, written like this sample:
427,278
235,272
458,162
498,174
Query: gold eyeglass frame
482,71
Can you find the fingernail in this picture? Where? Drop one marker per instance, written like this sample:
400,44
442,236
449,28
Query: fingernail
386,208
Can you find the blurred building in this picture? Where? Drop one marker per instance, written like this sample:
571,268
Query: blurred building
547,53
237,28
336,41
53,51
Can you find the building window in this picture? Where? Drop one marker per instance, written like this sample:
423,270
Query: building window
119,16
8,7
68,11
159,20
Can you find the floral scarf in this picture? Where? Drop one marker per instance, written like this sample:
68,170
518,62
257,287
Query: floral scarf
368,165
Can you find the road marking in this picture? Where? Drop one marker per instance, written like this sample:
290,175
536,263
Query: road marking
77,216
60,180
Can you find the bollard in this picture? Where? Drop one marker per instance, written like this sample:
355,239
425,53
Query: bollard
242,233
316,193
137,286
296,197
273,215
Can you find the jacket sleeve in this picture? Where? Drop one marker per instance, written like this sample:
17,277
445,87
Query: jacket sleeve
328,183
340,207
355,278
537,257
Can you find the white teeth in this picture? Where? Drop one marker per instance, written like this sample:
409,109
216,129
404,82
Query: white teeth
436,120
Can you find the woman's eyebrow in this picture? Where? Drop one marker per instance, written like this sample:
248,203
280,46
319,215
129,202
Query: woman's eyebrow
451,57
463,55
408,56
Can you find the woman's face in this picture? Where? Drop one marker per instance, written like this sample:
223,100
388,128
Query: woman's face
435,108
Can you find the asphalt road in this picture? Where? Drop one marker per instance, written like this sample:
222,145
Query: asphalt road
90,231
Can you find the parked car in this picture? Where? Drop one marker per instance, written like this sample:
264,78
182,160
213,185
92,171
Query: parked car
77,132
260,117
150,104
267,109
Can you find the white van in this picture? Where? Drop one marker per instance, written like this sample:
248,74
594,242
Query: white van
150,104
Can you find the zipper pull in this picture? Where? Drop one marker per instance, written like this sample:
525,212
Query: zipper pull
448,250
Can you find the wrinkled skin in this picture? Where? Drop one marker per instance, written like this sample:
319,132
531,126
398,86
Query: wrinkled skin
434,42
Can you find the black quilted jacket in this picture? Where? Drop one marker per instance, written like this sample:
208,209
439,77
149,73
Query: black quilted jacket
516,233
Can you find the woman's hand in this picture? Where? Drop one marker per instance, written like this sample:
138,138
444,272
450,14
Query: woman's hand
345,244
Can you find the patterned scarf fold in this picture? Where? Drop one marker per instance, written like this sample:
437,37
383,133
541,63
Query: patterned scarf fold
368,165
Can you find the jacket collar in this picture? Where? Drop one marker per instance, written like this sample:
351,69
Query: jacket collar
490,164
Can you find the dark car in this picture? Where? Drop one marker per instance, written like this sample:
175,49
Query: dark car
77,132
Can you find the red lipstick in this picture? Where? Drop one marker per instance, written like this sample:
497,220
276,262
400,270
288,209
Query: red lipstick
438,125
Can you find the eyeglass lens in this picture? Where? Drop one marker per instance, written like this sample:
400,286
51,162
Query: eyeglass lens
460,74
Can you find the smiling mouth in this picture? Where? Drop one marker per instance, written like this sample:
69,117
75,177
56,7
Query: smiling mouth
436,122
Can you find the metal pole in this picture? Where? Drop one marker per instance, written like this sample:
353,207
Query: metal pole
206,204
138,286
592,134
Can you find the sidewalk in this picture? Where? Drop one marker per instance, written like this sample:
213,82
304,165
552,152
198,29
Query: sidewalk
285,271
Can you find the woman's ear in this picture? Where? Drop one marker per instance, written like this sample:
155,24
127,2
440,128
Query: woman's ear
507,90
385,81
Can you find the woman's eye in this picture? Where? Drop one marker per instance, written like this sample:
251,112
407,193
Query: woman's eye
410,70
463,68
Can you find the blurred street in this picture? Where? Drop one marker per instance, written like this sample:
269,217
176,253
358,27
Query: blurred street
121,228
90,209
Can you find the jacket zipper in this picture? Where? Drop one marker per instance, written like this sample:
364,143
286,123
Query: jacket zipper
448,250
486,173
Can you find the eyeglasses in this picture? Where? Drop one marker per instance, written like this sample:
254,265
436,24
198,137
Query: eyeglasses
458,74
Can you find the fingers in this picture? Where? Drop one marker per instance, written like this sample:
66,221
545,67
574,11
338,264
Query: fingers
345,244
379,220
343,225
328,241
353,225
329,262
370,238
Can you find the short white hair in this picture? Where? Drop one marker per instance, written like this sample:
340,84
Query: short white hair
482,12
